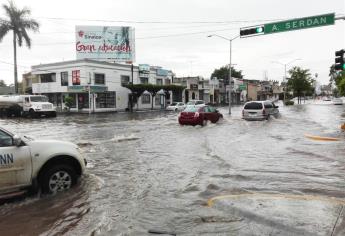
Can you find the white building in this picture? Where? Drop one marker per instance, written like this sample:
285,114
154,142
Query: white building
97,86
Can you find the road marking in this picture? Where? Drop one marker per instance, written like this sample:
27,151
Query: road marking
321,138
272,196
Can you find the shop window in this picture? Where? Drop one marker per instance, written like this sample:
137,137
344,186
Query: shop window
76,77
64,78
83,100
124,79
159,81
106,100
167,81
144,80
145,99
48,78
99,78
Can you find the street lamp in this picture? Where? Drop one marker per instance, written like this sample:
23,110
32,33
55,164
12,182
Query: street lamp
230,40
286,64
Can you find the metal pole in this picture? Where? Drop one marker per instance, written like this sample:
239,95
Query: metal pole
285,86
89,93
230,79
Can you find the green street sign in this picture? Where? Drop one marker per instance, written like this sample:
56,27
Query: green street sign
299,23
243,86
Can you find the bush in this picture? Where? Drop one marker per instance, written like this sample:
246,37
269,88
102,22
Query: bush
289,103
69,101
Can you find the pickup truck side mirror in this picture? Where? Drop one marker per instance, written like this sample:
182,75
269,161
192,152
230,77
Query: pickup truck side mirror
17,140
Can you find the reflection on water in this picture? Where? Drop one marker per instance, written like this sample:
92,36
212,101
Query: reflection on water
146,172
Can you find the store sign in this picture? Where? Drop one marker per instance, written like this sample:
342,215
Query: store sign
85,88
243,86
144,68
106,43
162,72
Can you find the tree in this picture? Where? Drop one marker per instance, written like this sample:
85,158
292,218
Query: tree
138,89
339,79
2,83
223,73
18,22
300,82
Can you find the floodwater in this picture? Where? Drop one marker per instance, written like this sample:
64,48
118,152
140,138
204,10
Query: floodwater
147,174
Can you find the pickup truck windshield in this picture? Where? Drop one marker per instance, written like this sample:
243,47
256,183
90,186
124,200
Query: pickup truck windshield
39,99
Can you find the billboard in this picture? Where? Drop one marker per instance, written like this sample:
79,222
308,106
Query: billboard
105,43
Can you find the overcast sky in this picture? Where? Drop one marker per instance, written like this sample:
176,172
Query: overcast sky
178,40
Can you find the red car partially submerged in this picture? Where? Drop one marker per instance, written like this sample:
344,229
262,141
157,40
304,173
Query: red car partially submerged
193,115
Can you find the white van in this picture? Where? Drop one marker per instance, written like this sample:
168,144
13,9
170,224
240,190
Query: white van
259,110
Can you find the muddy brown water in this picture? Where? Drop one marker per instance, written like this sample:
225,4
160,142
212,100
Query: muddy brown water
146,172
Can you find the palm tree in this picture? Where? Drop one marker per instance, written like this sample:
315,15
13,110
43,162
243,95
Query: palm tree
18,22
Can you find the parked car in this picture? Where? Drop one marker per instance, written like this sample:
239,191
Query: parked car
194,115
259,110
28,164
198,103
337,101
176,106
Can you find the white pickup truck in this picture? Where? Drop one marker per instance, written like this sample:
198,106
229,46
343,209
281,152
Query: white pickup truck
28,164
26,105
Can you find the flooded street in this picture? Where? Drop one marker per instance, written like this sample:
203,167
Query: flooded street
146,172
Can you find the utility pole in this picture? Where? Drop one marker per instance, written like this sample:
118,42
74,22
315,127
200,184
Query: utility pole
230,69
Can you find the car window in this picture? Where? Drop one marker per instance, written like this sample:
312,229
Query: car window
253,106
212,109
5,139
190,109
268,105
199,102
190,103
173,104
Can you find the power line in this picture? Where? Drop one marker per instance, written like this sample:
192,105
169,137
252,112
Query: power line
158,22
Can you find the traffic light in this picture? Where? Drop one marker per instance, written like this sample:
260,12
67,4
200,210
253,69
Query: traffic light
339,60
252,31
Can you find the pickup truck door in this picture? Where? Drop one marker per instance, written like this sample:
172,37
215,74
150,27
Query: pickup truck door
15,163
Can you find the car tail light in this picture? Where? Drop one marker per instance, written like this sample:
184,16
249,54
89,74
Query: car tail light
242,112
196,115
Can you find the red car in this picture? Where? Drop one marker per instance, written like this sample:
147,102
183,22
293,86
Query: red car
199,115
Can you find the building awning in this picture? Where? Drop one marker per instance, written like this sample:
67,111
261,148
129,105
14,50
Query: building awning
85,88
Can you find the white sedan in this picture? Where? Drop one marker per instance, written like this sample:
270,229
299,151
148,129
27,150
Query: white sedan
176,106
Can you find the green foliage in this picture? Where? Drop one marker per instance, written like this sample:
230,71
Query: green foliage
138,89
340,82
289,103
337,77
69,101
2,83
300,81
223,73
19,22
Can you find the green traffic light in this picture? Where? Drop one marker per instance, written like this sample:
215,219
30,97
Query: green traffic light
259,30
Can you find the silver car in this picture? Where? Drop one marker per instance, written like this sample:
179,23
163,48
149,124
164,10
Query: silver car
259,110
196,103
176,106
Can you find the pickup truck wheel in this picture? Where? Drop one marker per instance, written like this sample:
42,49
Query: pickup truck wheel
58,178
